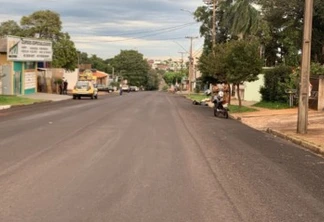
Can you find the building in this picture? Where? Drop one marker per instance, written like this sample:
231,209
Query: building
19,59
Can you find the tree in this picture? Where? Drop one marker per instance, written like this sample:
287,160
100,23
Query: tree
153,80
241,18
203,14
131,65
65,54
98,63
171,78
285,19
83,58
212,66
46,24
10,27
42,24
242,63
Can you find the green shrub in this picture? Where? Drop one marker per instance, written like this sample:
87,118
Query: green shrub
165,88
276,82
58,81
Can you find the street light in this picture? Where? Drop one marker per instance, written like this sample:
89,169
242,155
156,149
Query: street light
113,71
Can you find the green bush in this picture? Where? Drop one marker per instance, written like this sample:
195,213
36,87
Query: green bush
197,90
276,82
58,81
165,88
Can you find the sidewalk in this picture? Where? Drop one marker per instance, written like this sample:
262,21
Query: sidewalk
41,96
283,123
48,96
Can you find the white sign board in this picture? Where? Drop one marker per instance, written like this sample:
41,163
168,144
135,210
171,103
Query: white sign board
30,80
24,49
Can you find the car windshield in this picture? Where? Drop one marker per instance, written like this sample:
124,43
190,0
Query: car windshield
82,84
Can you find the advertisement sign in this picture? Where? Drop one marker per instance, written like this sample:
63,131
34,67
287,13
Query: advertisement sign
30,80
24,49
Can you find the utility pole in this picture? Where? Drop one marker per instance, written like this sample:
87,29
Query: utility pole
191,60
182,53
214,23
213,3
305,71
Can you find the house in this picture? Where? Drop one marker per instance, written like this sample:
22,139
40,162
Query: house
102,77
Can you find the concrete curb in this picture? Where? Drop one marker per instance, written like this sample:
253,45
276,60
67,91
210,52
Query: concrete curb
233,117
23,105
5,107
305,144
310,146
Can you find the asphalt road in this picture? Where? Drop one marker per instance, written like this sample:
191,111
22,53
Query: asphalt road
149,156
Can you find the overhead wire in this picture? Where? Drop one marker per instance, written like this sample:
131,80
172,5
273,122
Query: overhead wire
163,39
160,31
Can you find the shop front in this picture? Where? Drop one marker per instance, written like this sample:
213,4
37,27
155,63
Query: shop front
22,56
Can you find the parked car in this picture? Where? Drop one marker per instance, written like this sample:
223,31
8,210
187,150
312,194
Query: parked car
125,88
134,88
85,89
104,88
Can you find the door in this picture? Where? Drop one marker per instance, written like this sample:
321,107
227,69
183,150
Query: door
18,68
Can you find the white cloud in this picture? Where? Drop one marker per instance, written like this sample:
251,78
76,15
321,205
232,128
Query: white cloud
98,26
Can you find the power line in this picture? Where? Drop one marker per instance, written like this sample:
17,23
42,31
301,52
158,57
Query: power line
153,34
147,31
163,39
156,30
198,50
181,47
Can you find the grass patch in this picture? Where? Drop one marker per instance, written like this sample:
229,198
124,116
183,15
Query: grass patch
242,109
16,100
272,105
198,97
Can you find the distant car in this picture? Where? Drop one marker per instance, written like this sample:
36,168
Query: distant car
84,89
104,88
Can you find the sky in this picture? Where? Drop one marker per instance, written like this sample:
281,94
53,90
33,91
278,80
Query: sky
155,28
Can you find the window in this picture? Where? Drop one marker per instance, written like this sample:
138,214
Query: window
30,65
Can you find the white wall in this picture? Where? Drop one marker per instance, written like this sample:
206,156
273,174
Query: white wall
251,89
71,77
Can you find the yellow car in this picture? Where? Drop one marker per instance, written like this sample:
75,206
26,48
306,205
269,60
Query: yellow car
84,89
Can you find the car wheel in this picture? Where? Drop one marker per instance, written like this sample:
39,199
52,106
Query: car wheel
96,96
74,97
79,97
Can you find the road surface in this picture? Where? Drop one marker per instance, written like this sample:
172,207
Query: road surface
149,156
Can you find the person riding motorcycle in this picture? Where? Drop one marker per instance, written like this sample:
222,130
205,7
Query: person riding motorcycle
218,99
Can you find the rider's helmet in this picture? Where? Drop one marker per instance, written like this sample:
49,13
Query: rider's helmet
221,94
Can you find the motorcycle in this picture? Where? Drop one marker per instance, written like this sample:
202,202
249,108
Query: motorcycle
221,109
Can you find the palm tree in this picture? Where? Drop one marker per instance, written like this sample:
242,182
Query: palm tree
241,18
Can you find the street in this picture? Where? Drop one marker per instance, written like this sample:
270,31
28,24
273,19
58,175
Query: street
149,156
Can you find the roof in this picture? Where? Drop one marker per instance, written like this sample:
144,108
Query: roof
3,44
99,74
